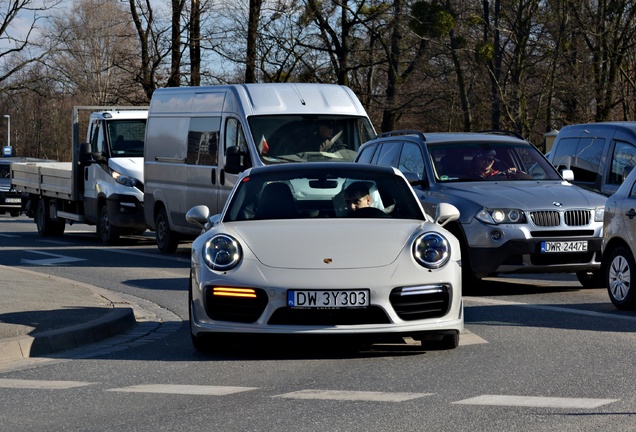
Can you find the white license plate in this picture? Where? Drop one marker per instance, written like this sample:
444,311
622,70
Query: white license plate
328,298
13,200
563,246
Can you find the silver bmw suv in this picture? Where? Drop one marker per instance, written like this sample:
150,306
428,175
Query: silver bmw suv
518,215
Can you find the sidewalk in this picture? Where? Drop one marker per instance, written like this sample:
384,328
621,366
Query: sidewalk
41,315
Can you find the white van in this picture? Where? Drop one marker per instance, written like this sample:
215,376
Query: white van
199,139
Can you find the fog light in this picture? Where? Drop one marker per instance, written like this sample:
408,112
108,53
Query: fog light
496,235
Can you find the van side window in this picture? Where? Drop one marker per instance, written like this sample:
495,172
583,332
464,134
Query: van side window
234,137
623,160
203,141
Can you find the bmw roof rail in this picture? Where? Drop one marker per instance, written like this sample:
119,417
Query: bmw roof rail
502,132
402,132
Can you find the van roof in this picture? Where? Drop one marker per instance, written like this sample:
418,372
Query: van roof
259,99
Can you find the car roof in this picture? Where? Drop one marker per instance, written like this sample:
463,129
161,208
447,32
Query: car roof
442,137
317,167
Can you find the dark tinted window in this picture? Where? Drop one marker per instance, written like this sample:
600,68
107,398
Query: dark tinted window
581,155
623,160
411,159
366,154
388,154
203,141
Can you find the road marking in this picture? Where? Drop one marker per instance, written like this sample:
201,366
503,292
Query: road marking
469,338
58,259
552,308
184,389
36,384
536,402
343,395
148,255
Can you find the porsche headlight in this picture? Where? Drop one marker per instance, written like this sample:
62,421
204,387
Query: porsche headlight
431,250
222,252
498,216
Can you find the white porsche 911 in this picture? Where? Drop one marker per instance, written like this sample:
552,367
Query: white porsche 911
325,249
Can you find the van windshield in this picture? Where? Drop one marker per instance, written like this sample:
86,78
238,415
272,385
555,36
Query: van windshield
298,138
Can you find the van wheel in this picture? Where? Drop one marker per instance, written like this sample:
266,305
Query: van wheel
45,225
167,240
107,233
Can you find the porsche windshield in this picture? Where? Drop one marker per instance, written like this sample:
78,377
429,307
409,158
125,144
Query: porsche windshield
295,195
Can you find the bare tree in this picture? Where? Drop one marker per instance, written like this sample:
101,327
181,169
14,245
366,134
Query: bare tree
610,35
153,49
21,48
94,41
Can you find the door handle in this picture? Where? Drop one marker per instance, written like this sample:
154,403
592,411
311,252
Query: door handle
213,176
631,213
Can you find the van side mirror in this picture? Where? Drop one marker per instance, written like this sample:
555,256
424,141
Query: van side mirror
235,160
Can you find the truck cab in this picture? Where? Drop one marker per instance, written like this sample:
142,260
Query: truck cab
103,183
112,163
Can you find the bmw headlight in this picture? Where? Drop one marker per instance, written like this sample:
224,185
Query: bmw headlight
599,212
125,180
431,250
498,216
222,252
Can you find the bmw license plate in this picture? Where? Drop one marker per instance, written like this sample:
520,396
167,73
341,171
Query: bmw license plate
328,299
563,246
13,200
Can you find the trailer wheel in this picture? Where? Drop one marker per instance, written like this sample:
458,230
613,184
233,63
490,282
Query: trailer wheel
108,234
47,226
167,240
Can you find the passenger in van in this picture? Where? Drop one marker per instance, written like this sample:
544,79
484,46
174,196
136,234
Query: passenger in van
324,138
358,199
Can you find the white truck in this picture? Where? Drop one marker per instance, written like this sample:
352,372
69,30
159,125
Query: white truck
102,186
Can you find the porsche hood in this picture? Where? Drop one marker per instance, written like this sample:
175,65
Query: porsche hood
323,244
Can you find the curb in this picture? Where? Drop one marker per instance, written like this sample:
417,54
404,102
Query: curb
54,341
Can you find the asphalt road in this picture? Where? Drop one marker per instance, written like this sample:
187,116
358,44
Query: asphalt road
540,354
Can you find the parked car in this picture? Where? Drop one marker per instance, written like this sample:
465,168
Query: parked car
10,198
524,219
619,244
288,255
600,155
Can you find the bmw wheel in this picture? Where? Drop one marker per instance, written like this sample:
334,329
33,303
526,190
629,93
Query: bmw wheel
618,277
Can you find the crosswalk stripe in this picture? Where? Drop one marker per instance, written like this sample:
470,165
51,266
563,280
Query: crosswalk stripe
184,389
352,395
536,402
38,384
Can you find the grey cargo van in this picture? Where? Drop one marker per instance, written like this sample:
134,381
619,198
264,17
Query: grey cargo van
199,140
599,154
